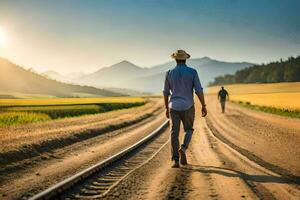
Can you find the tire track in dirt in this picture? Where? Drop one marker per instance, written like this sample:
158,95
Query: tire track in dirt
224,183
258,190
285,173
264,183
264,138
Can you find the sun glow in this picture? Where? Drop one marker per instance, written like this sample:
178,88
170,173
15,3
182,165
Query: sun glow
3,37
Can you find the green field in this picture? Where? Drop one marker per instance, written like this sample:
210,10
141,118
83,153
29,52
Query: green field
21,111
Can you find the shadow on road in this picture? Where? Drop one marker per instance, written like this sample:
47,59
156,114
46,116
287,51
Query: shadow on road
234,173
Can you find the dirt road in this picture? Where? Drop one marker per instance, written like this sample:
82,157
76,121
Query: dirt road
268,139
216,170
242,154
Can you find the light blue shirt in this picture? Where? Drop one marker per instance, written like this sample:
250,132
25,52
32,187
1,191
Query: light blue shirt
180,82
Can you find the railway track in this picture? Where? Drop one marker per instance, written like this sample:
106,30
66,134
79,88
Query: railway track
96,181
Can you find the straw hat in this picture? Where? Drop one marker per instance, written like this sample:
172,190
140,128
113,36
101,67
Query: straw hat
180,55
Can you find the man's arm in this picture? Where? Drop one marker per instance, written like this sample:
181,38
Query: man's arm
202,101
166,93
227,96
199,92
166,99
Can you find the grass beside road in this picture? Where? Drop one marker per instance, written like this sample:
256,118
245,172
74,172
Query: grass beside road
273,110
283,101
21,111
68,101
14,118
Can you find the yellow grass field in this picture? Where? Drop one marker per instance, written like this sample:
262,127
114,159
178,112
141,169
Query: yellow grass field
277,95
69,101
290,101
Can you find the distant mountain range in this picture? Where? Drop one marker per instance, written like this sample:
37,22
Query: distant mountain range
152,80
130,76
63,78
15,79
113,76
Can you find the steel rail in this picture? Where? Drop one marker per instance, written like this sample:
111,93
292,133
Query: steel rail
64,185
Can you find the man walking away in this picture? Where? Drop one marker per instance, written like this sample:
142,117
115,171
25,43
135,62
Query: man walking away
222,95
180,82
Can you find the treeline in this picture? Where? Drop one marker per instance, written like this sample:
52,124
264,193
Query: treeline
280,71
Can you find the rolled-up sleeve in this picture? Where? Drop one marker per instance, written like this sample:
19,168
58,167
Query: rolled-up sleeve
197,85
166,90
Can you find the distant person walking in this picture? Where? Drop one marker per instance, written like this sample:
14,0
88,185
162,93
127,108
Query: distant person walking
222,96
180,82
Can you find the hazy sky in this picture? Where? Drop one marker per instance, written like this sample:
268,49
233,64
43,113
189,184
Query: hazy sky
73,35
